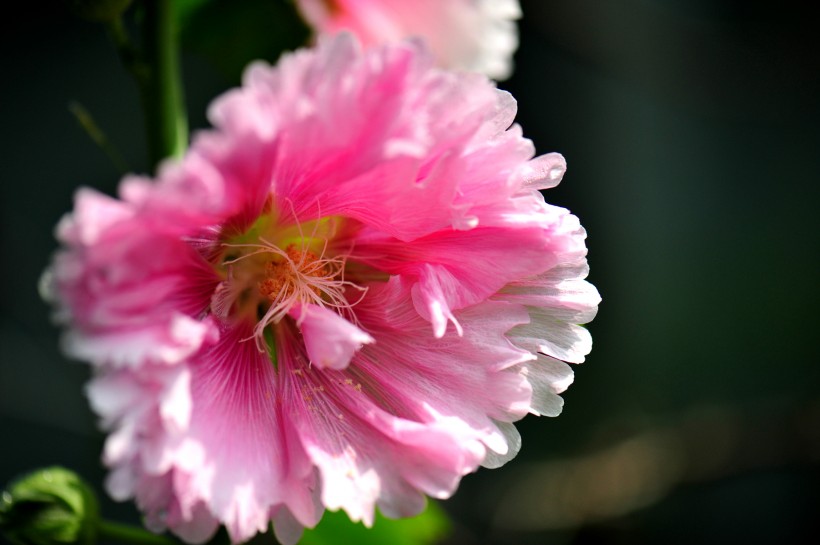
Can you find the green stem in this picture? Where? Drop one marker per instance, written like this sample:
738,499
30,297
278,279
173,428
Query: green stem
114,532
166,122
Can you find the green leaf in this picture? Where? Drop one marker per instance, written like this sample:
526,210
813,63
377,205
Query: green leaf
426,529
49,506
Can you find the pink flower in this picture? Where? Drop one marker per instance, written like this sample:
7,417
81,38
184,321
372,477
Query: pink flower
474,35
341,298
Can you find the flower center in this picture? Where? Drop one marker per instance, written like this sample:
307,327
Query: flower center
296,276
284,279
264,281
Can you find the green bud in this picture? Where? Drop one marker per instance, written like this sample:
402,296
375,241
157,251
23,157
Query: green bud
48,507
99,10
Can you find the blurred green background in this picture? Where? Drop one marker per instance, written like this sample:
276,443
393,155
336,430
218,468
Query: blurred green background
692,134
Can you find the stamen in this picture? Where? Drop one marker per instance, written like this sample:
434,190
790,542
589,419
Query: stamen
297,276
280,278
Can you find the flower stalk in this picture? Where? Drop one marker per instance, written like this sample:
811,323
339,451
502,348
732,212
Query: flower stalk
156,70
166,122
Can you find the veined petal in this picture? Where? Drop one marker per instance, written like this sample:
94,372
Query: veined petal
168,343
549,377
495,459
366,455
251,463
456,269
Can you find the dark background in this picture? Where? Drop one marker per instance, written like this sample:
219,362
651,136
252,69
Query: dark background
692,134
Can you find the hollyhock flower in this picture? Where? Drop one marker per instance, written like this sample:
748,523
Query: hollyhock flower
474,35
342,297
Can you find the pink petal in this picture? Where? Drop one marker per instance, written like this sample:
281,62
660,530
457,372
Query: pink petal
330,340
94,214
251,462
544,172
464,34
455,269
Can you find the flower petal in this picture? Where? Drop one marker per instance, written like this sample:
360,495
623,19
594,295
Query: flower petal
544,171
477,35
549,377
455,269
330,340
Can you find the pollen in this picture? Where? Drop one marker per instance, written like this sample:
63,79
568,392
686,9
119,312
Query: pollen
283,278
272,279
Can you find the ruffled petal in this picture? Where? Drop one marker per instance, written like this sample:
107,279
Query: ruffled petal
403,177
495,459
559,301
129,291
367,456
549,377
456,269
170,342
94,214
481,365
